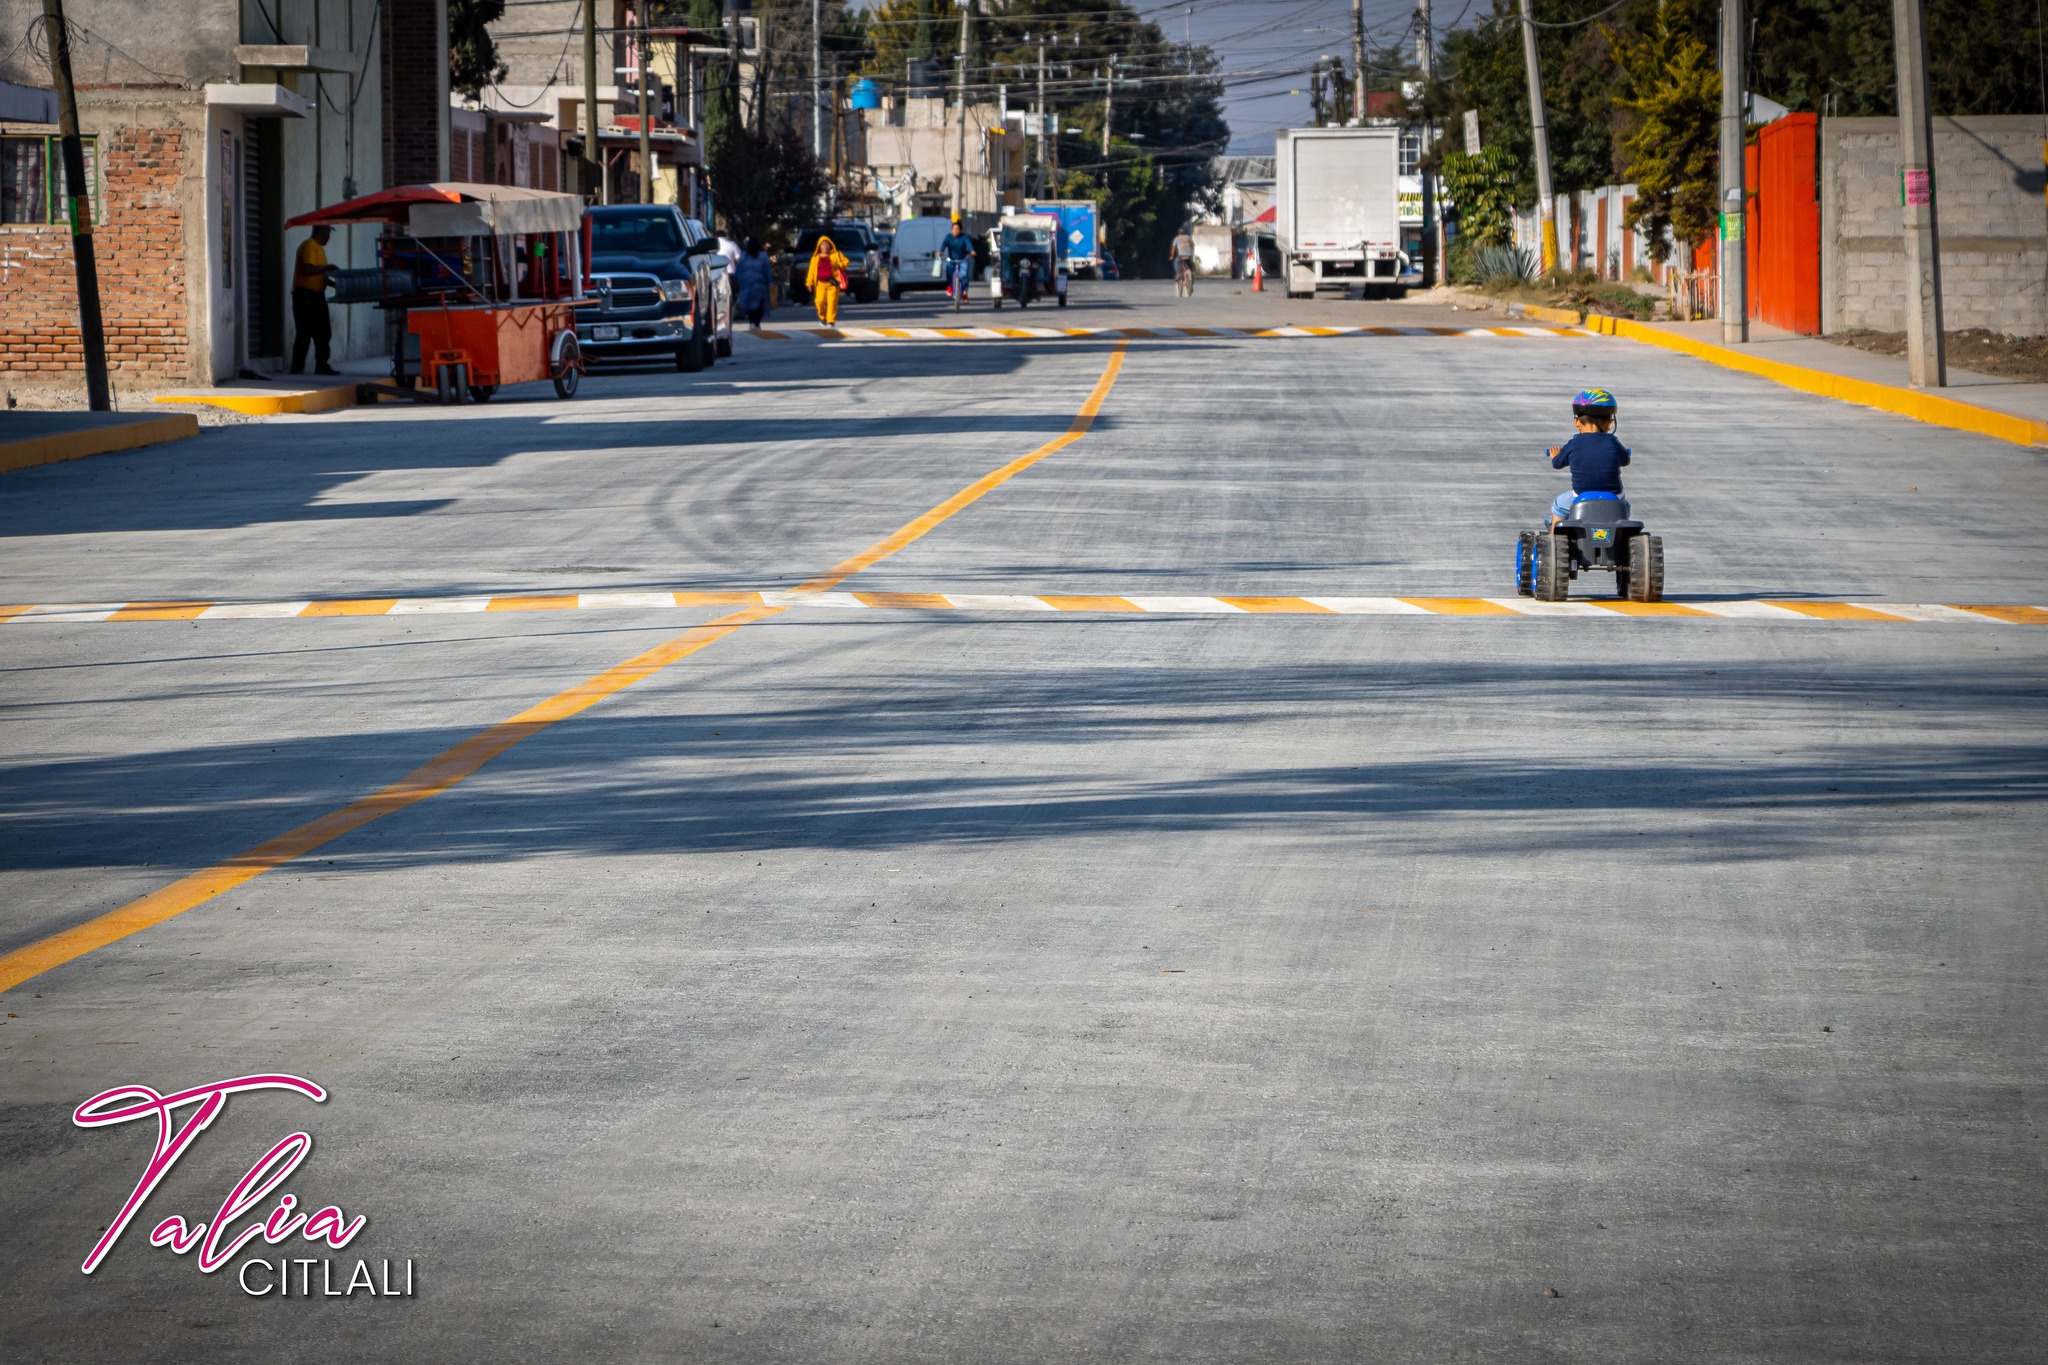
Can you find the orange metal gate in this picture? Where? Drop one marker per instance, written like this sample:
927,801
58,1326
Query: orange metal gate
1784,225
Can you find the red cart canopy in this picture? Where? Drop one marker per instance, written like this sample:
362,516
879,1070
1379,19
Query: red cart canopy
456,208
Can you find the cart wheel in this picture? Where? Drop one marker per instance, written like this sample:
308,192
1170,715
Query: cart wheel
482,393
1553,568
569,369
1525,553
444,385
461,384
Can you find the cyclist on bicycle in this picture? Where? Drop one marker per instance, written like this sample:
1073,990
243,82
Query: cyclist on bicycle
957,251
1184,262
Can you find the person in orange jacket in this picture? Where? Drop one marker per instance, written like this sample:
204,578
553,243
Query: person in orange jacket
825,278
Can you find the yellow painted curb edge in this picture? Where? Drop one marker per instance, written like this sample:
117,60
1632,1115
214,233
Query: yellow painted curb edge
1922,407
271,404
1543,313
76,445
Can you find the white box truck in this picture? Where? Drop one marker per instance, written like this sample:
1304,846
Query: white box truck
1337,193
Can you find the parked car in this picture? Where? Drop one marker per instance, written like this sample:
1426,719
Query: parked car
661,288
914,261
856,242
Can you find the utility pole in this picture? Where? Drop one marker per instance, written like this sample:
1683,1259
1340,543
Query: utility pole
960,145
1546,203
1926,347
91,332
1733,256
1425,60
817,79
1108,106
646,133
593,169
1358,62
1043,188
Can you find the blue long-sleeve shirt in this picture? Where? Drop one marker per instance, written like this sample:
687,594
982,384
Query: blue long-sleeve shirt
1595,459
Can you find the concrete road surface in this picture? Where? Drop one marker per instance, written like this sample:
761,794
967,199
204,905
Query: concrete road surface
961,978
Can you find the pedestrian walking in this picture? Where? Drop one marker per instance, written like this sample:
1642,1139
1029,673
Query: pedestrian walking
825,277
310,325
753,278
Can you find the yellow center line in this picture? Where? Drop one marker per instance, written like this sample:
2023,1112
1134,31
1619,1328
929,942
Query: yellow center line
452,766
987,483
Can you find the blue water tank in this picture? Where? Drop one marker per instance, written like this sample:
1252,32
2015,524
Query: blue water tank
866,94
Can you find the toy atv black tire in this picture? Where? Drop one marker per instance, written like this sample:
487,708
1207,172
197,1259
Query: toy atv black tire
1643,580
1525,564
1553,576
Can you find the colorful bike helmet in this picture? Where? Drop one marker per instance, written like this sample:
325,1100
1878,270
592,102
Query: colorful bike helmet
1594,403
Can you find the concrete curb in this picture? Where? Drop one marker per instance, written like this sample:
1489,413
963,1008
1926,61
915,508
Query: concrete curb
75,445
1915,403
271,404
1543,313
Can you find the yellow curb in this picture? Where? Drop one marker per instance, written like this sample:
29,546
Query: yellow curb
1914,403
271,404
1541,313
74,445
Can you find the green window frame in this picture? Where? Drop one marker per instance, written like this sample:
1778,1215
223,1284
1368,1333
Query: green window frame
32,189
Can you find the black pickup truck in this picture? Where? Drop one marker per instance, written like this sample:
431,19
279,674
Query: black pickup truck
661,287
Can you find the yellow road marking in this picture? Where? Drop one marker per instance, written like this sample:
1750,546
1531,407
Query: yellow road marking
1834,611
1198,332
2019,616
716,599
1060,603
159,611
9,613
927,600
1648,608
454,765
988,482
1286,604
1459,606
547,602
360,606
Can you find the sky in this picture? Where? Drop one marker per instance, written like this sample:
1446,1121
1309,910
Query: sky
1268,46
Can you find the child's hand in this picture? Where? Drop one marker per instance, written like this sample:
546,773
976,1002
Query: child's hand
1552,453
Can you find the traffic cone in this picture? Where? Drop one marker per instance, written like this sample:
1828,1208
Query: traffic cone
1258,274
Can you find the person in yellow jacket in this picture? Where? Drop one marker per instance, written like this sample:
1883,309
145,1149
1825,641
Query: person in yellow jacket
825,278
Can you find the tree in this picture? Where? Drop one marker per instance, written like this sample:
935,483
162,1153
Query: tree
765,182
473,61
1483,188
1673,152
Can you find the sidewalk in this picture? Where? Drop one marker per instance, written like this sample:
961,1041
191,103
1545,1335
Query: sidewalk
28,439
2009,409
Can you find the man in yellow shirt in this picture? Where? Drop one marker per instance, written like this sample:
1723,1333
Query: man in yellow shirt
309,303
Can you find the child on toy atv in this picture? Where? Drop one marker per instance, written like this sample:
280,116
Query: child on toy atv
1594,456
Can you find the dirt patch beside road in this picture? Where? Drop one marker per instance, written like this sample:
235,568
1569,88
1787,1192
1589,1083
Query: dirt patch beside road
1985,352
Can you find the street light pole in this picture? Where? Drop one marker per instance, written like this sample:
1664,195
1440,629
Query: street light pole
1042,187
646,134
817,79
1733,257
1358,62
1425,54
960,144
1926,347
92,333
593,171
1545,201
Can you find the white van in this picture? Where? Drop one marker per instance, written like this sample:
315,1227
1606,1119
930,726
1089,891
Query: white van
914,261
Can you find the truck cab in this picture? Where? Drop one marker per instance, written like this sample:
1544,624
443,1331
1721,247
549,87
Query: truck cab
660,287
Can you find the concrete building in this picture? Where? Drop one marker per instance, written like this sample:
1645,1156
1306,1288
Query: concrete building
910,148
210,122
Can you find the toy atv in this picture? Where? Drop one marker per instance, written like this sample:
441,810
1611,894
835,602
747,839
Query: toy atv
1595,538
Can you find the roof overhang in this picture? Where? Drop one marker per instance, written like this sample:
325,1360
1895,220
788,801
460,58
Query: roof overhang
258,101
298,57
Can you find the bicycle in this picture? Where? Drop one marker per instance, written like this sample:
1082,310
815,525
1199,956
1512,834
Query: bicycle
962,276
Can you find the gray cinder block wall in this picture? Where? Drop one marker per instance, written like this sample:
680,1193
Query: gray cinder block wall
1989,180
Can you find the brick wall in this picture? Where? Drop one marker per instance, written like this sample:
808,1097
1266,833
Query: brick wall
414,67
1994,228
140,250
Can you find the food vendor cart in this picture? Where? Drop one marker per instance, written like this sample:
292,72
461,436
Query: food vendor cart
481,283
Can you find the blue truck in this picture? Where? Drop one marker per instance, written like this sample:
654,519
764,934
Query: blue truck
1080,233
